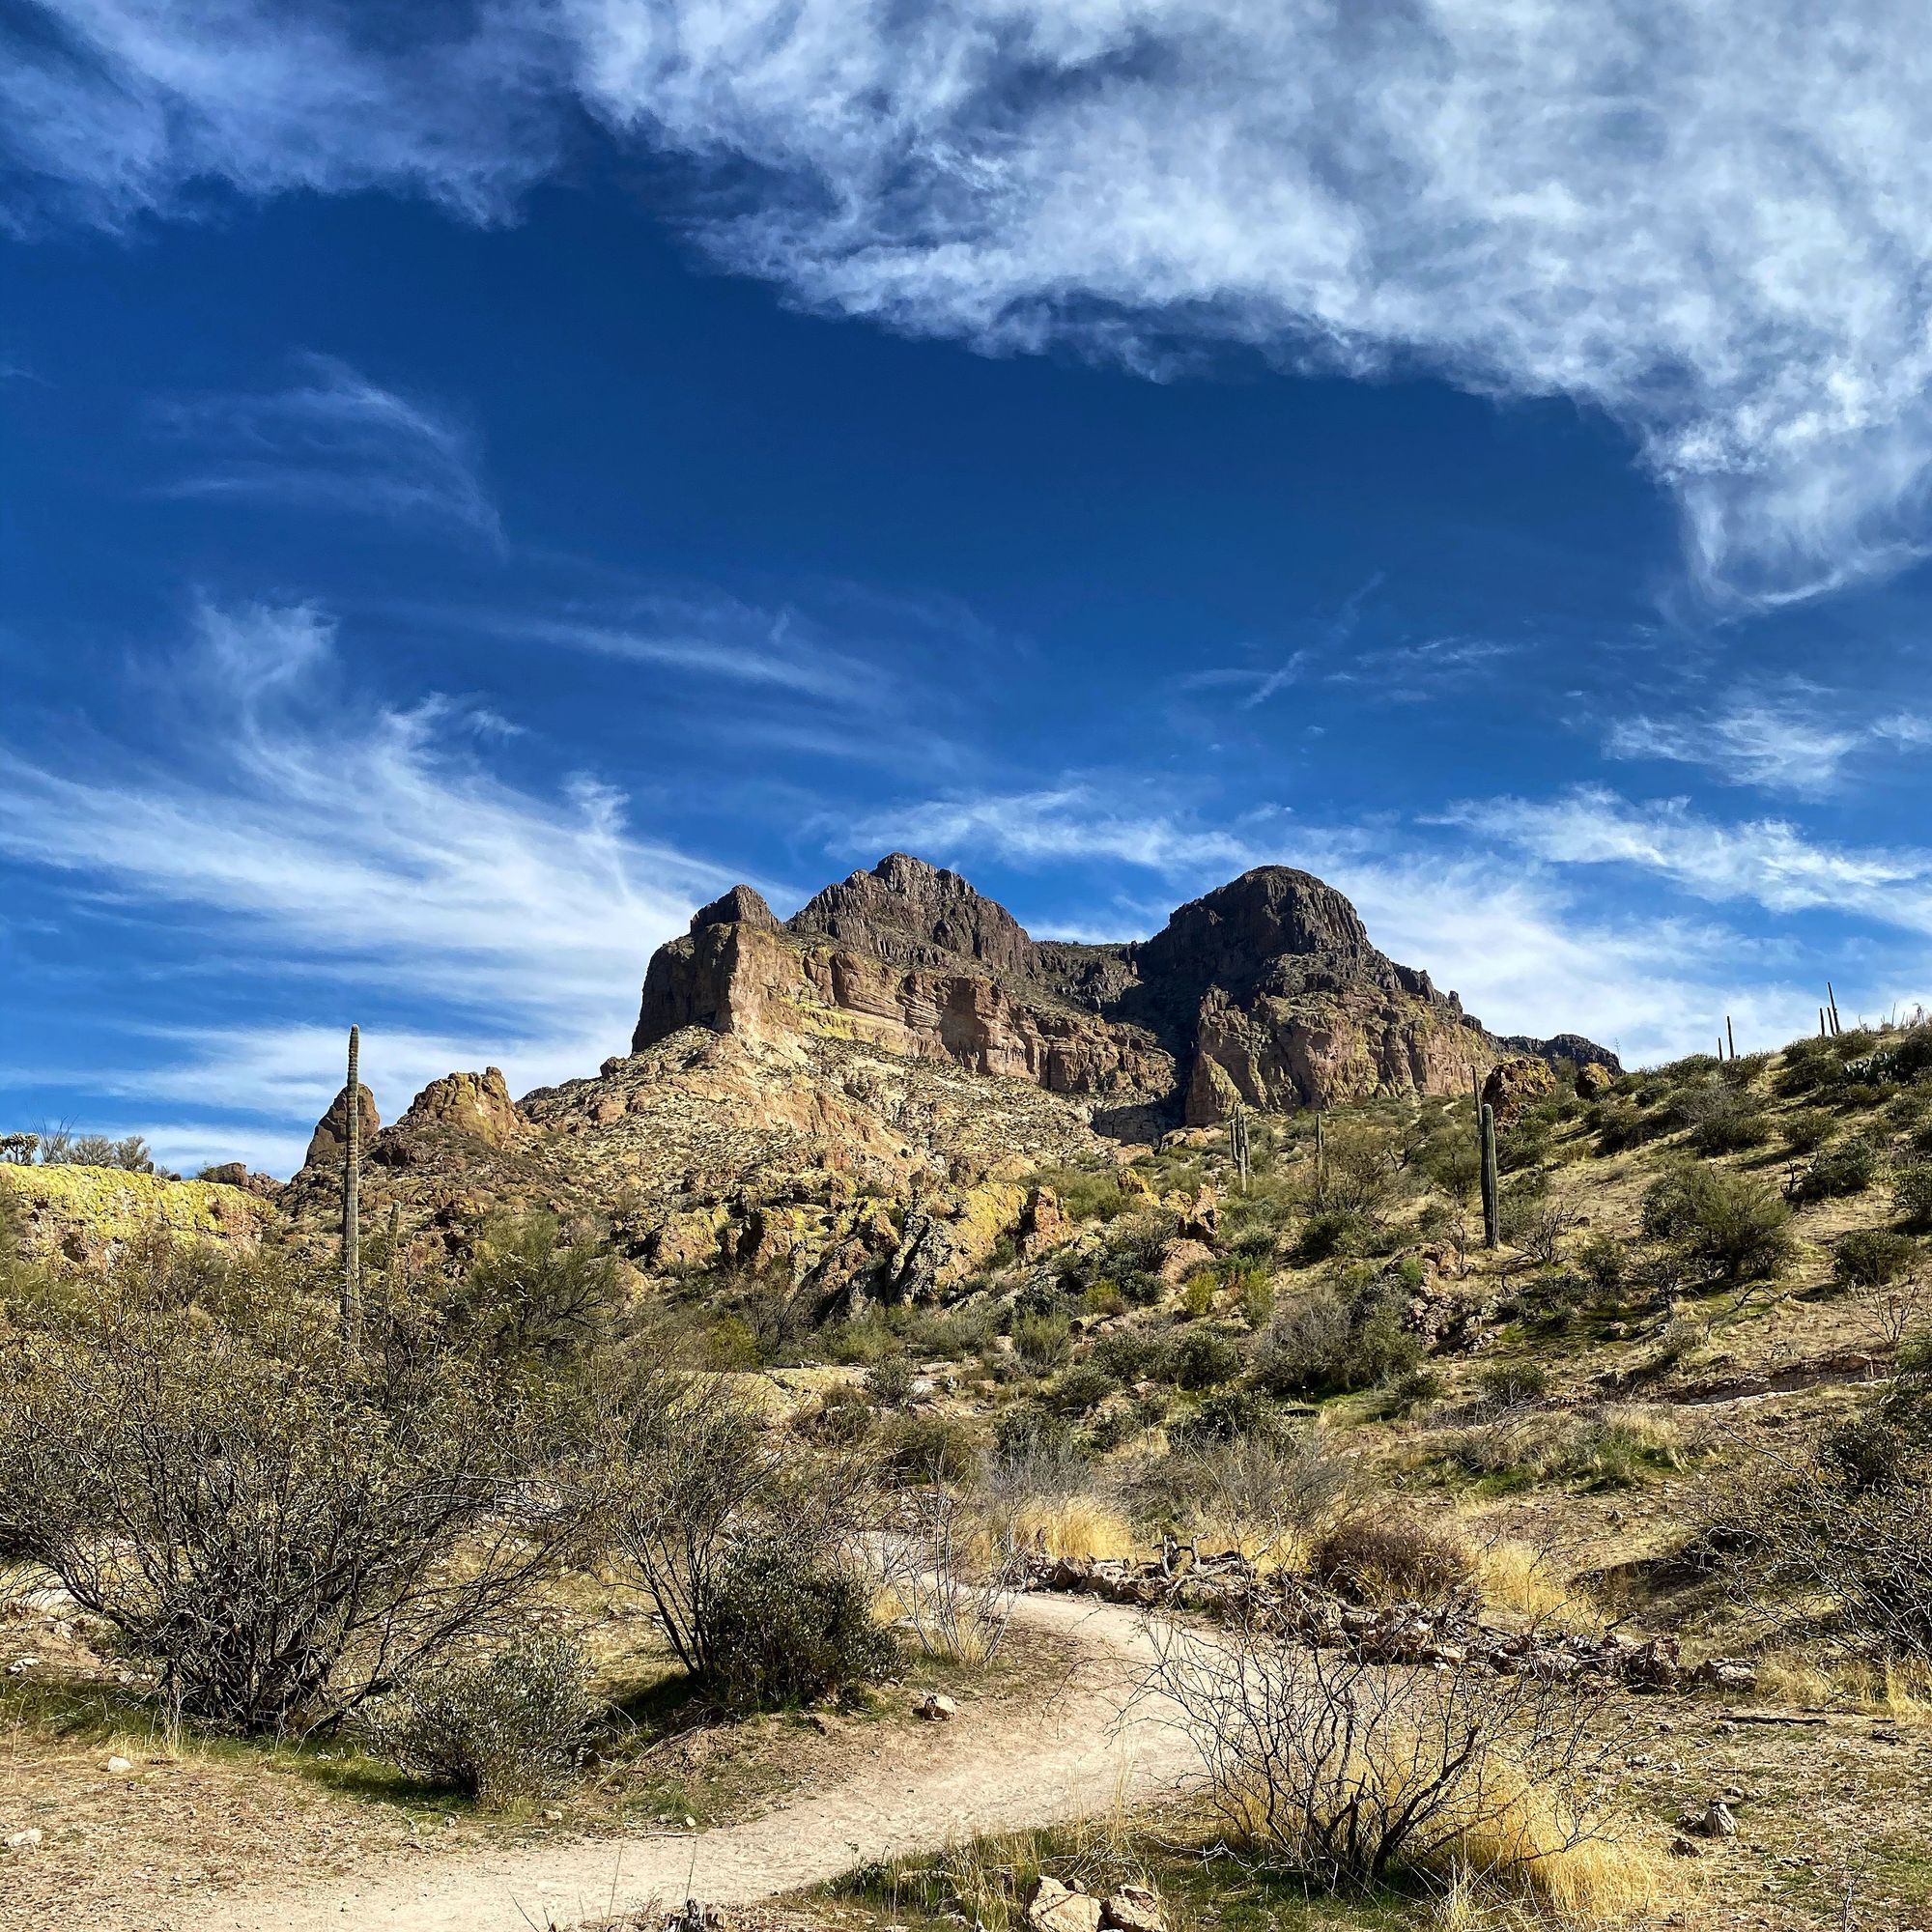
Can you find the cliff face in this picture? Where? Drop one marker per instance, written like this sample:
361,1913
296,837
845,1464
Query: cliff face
1266,991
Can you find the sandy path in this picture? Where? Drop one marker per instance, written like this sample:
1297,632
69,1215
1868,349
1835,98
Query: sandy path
993,1768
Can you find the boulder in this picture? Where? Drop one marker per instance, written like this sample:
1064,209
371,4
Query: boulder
331,1137
1053,1907
1134,1908
1514,1086
1593,1082
935,1707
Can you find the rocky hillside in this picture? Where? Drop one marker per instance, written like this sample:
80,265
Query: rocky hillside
1267,992
857,1096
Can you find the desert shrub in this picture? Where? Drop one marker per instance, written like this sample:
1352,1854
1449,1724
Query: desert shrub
1851,1524
1912,1194
1871,1257
1080,1389
1133,1355
1413,1389
784,1626
1324,1236
182,1446
1724,1119
1849,1168
1392,1556
1359,1174
702,1475
514,1724
1137,1242
1537,1226
1805,1129
929,1448
1342,1772
1728,1228
1031,1429
536,1292
1088,1194
1509,1385
1197,1294
1323,1342
889,1381
1226,1415
1266,1485
1605,1261
1204,1357
61,1148
1042,1342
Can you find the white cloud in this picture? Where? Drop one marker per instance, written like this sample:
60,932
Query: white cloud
337,440
313,835
1774,743
111,108
1767,862
1710,218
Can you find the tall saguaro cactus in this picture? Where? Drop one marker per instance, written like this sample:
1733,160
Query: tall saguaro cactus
1238,1142
352,1194
1321,1164
1491,1215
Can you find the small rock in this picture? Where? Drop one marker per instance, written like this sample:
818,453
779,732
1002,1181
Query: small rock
1057,1908
21,1665
119,1766
553,1817
936,1707
1134,1908
1714,1821
28,1840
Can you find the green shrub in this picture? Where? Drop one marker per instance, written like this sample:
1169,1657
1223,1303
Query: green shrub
1204,1357
1323,1343
929,1448
512,1725
1133,1355
1807,1129
1849,1168
1728,1228
1509,1385
1081,1389
1605,1261
1197,1294
1228,1415
1912,1194
1327,1234
889,1381
783,1627
1871,1257
1043,1341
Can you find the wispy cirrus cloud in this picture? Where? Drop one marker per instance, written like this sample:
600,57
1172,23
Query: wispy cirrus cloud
333,439
1709,219
112,109
315,836
1767,862
1795,740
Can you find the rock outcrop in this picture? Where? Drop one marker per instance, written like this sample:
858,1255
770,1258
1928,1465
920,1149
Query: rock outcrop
1266,991
1572,1047
332,1132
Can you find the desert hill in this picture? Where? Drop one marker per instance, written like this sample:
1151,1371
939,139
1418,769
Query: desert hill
858,1096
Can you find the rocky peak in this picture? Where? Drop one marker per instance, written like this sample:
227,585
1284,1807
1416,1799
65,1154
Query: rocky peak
1238,935
330,1139
472,1103
907,912
740,906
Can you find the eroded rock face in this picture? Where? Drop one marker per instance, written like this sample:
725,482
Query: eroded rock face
331,1137
1515,1085
1266,991
470,1103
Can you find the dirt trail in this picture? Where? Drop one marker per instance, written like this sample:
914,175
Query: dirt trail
993,1768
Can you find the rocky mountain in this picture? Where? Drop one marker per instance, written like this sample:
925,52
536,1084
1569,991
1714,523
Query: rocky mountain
863,1095
1266,991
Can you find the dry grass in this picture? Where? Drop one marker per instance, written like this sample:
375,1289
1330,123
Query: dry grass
1897,1688
1520,1581
1062,1526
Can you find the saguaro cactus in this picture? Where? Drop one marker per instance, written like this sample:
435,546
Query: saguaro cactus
352,1193
1832,1006
1492,1217
1321,1164
1238,1142
1730,1035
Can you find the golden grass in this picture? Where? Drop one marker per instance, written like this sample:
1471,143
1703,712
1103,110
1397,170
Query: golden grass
1897,1688
1071,1526
1516,1580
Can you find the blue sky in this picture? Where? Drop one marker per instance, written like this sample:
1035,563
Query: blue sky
477,480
